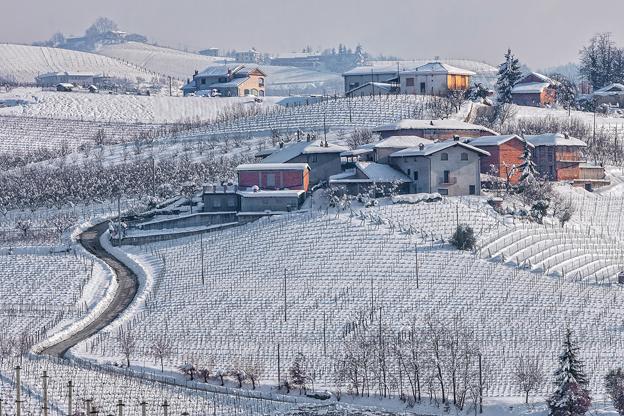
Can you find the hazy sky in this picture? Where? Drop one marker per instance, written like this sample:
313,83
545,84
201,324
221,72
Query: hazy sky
541,32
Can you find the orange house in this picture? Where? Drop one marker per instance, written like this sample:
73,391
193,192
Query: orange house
274,176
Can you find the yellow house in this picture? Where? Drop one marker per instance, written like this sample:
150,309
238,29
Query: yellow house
435,78
227,81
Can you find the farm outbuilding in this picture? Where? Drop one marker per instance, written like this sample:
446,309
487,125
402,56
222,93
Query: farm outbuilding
558,156
612,94
274,176
535,90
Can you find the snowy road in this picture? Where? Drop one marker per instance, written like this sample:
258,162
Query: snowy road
128,285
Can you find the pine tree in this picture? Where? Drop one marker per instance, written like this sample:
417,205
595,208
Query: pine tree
508,75
527,167
297,372
571,397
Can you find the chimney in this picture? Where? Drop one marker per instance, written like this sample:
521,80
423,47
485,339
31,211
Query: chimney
455,138
308,137
566,136
421,146
431,123
281,144
196,73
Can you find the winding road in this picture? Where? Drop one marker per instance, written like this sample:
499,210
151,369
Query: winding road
128,285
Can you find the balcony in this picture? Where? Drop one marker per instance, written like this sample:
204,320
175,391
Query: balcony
452,180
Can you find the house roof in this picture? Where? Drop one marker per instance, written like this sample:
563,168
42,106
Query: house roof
554,139
537,75
272,166
436,147
281,193
611,89
373,69
378,172
356,152
381,86
219,70
439,68
231,84
65,73
530,88
401,142
302,148
411,124
493,140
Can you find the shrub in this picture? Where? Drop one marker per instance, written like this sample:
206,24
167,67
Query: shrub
463,238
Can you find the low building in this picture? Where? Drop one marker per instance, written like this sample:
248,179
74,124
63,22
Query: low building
591,176
323,158
505,155
221,198
384,148
263,201
433,129
557,156
227,81
373,88
298,59
252,56
450,168
435,78
612,95
365,177
535,90
52,79
274,176
362,75
209,52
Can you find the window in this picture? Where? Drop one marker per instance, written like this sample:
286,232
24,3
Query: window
443,191
313,158
270,180
409,82
246,92
464,156
409,172
203,81
447,176
444,156
222,79
423,88
353,85
261,82
231,202
415,175
472,190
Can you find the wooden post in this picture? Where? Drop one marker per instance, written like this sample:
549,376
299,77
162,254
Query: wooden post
480,386
201,246
285,306
88,403
120,406
143,408
69,397
324,336
45,393
165,407
279,371
416,261
18,392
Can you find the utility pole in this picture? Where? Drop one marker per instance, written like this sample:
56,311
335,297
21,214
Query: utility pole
201,247
45,393
120,406
279,370
170,87
88,403
70,389
165,407
143,408
324,336
416,262
285,305
18,392
480,386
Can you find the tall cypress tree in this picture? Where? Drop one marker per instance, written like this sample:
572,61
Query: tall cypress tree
571,396
508,75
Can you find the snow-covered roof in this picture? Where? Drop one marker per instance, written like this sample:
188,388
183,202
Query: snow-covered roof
539,76
376,70
302,148
381,86
554,139
65,73
611,89
378,172
493,140
401,142
411,124
439,68
530,88
356,152
272,166
436,147
273,194
219,70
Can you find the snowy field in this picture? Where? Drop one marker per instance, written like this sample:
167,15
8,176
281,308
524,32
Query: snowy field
182,65
609,123
21,63
340,269
32,102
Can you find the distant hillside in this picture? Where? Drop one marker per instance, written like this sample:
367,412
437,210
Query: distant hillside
181,65
21,64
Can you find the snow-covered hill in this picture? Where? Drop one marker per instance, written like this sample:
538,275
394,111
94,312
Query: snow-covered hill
21,63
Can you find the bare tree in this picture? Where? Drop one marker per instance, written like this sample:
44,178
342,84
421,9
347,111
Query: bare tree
359,137
563,209
127,343
254,370
162,348
205,368
529,375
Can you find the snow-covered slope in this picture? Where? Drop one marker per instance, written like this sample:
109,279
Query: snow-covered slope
21,63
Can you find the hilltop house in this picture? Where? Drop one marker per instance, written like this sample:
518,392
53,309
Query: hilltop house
612,94
227,81
505,154
535,90
435,78
450,168
322,157
433,129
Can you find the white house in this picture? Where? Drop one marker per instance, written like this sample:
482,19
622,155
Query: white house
449,168
363,75
435,78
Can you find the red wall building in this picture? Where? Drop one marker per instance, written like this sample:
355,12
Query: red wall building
505,154
272,176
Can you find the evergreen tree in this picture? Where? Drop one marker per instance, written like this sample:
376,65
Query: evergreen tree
360,56
508,75
571,396
527,167
567,91
297,372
